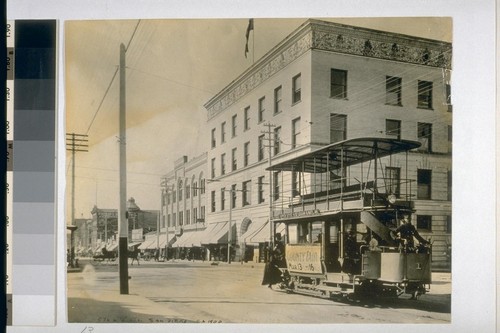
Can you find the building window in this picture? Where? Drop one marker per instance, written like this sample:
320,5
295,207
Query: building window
276,185
188,191
202,186
450,178
174,219
180,190
277,140
296,87
424,135
246,124
450,139
260,183
202,213
181,218
338,127
233,196
393,128
233,126
195,189
246,153
234,160
188,216
393,180
168,221
393,90
295,132
223,164
212,202
174,196
261,148
222,198
169,198
223,132
424,222
338,83
277,100
262,108
448,224
212,169
195,215
424,178
295,184
214,143
448,98
424,95
246,193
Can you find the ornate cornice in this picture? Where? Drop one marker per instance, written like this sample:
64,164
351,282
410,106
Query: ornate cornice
333,37
381,45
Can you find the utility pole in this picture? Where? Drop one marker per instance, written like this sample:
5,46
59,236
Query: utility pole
122,216
270,145
74,142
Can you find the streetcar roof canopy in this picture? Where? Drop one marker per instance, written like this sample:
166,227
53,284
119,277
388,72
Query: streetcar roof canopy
353,151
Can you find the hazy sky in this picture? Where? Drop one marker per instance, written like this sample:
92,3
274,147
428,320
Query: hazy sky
173,68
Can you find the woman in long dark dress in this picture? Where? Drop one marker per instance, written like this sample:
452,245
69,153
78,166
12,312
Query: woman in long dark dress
272,273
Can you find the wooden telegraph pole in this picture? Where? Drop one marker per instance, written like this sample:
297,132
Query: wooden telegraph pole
122,218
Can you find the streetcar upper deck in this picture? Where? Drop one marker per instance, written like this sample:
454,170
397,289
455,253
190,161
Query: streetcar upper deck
345,153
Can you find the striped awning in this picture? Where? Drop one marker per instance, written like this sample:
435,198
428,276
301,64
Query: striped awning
263,234
254,227
163,239
184,239
149,243
112,247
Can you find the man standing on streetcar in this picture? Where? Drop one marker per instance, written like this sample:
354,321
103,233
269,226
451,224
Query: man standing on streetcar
406,232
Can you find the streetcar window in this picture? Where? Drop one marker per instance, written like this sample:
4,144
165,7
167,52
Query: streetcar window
292,234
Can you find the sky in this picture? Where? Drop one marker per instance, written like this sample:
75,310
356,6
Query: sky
173,67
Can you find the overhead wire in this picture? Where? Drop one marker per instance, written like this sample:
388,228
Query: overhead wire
110,82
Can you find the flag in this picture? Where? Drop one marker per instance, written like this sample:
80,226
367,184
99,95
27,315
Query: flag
249,28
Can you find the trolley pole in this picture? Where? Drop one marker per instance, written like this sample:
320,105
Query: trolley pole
122,218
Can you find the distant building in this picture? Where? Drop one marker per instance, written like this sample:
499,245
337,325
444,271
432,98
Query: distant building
102,229
327,82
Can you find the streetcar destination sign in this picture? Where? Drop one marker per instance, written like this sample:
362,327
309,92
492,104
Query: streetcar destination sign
303,258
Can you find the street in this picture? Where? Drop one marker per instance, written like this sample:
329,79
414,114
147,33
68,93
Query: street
202,292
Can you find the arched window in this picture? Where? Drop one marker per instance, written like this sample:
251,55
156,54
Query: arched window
202,184
179,190
194,186
188,189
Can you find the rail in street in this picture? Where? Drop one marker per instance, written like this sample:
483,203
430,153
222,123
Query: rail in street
203,292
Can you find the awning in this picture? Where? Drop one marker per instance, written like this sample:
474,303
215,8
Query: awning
220,233
99,247
218,228
134,244
112,247
264,234
163,240
184,240
197,237
252,229
148,243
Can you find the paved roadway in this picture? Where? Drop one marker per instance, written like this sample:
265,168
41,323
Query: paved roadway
229,293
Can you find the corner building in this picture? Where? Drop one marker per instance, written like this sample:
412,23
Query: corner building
325,83
183,208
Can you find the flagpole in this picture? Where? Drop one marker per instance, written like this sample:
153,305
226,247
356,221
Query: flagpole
253,44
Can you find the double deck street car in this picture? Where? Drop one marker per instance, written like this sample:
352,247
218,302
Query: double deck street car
347,221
